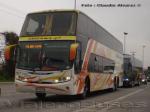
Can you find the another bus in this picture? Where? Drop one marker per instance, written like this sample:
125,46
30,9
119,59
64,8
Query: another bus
132,71
65,52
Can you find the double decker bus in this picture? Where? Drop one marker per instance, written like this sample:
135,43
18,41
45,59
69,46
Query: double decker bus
65,52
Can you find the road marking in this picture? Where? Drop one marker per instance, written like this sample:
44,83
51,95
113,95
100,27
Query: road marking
108,102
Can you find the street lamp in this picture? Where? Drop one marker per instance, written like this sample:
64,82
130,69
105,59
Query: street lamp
125,34
143,57
75,1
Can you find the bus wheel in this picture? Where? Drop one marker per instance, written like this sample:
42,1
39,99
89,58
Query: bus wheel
114,88
138,83
132,84
86,89
41,95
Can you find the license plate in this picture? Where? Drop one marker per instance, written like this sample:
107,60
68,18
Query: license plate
40,90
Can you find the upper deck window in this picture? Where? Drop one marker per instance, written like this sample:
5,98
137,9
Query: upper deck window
53,23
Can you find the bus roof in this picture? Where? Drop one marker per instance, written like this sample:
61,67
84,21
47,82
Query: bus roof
56,10
78,12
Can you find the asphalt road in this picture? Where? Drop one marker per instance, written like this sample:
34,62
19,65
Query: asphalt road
135,99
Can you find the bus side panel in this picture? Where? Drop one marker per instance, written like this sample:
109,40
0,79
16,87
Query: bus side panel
100,80
84,73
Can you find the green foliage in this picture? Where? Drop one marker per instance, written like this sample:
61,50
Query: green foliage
7,73
11,38
5,78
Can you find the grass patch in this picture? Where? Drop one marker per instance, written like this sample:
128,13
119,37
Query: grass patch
5,78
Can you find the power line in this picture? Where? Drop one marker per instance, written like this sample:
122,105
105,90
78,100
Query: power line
9,13
11,8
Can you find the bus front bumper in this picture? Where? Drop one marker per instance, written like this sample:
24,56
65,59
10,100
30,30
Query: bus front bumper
65,88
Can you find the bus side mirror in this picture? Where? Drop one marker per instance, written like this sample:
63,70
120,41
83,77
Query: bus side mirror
73,51
7,53
10,53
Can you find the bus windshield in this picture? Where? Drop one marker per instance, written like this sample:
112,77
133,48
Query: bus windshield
50,55
50,24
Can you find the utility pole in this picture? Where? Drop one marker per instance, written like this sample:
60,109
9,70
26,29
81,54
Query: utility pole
143,58
125,34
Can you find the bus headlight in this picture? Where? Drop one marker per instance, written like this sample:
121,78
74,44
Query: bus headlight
65,78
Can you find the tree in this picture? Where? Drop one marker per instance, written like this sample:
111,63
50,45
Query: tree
11,38
11,43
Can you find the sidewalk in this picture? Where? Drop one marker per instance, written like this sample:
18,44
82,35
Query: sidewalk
7,88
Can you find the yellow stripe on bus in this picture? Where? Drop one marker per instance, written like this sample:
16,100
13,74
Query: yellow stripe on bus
47,38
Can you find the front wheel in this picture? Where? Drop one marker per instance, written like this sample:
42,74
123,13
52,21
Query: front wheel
41,95
86,90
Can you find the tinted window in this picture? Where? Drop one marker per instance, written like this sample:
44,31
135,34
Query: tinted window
82,25
95,64
53,23
99,64
91,63
108,65
98,33
50,55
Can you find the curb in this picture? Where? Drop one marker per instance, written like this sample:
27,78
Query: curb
7,82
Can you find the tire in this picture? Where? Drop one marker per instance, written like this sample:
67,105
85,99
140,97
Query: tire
124,84
118,82
41,96
132,84
114,88
86,90
138,83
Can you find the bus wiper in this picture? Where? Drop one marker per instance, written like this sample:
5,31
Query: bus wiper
56,60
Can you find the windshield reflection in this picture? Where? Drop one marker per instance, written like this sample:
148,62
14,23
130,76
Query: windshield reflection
58,23
50,56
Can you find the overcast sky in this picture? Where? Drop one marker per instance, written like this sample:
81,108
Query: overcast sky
116,20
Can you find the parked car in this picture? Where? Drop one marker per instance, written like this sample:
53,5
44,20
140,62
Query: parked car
144,79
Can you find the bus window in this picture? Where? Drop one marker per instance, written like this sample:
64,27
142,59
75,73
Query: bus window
100,64
60,23
91,63
95,64
108,65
